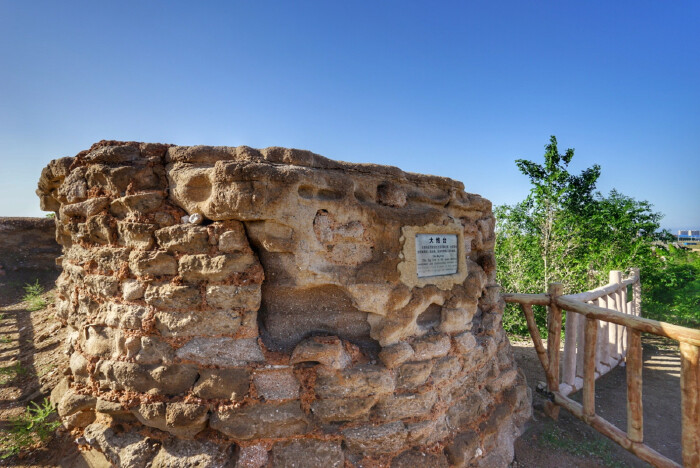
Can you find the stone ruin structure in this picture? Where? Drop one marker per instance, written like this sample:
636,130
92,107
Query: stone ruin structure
273,308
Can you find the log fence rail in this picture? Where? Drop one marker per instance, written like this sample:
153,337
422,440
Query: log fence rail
603,329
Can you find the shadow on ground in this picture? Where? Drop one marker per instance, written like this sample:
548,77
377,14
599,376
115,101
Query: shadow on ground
570,442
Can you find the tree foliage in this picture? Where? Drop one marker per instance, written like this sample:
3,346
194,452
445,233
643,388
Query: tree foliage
565,231
671,292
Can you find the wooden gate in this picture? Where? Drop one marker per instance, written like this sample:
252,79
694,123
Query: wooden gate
603,328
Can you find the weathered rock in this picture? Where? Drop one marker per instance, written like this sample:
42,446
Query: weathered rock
221,351
414,458
72,403
276,384
461,413
136,235
308,452
458,319
385,438
464,448
152,263
132,290
185,238
343,409
328,351
252,456
261,421
203,323
59,391
158,379
290,316
120,315
74,187
445,369
101,341
233,241
86,208
504,380
231,384
395,355
78,420
407,405
195,268
108,407
465,342
136,204
122,448
188,453
360,381
98,285
170,296
238,297
180,419
413,374
431,347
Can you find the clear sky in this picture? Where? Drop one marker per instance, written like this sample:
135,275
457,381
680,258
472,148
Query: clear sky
458,89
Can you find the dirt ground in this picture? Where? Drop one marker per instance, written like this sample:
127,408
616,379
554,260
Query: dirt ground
569,442
32,362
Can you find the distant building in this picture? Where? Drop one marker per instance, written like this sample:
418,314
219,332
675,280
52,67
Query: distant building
689,238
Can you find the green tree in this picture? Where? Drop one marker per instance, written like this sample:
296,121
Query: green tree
671,289
567,232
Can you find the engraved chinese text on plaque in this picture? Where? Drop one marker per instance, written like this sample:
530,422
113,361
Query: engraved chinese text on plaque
436,254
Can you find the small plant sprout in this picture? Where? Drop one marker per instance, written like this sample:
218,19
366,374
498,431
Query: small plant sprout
34,427
33,297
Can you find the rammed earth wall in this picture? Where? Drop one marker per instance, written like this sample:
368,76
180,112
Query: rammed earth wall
27,244
290,327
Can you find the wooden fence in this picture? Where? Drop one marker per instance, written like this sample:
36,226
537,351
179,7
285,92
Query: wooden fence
611,339
603,327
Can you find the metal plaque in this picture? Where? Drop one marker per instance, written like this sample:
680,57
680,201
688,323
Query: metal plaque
436,254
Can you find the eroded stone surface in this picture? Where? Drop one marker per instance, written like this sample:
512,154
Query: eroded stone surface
288,325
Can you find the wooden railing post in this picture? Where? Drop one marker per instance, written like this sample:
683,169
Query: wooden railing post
690,403
635,415
569,365
553,343
603,335
615,277
580,350
589,369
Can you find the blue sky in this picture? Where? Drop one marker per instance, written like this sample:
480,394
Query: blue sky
458,89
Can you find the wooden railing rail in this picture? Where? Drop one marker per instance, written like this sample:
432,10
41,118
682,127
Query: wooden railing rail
602,329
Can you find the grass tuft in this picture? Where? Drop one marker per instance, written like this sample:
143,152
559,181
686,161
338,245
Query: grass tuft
33,297
10,373
36,426
553,437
